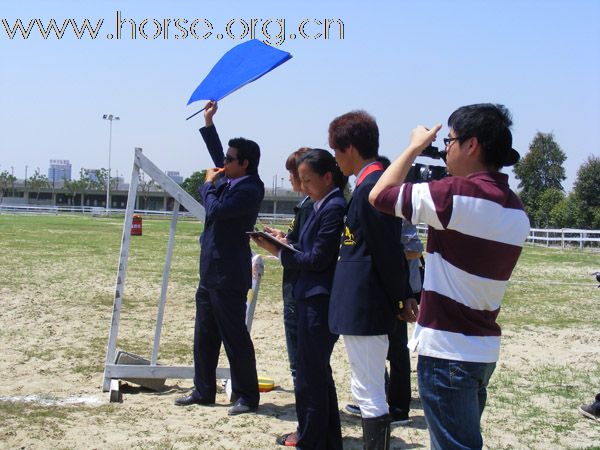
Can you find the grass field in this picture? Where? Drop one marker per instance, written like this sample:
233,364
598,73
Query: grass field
58,275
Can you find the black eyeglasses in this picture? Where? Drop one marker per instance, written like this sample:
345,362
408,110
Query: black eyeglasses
229,159
448,141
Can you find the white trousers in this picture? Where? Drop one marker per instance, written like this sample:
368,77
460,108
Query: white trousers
367,356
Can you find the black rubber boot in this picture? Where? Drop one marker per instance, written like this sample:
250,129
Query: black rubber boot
376,433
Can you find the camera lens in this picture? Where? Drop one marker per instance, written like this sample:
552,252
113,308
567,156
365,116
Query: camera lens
431,152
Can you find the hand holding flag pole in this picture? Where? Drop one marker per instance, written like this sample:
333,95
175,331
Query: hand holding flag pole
196,113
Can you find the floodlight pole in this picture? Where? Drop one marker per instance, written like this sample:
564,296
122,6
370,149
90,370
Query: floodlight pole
110,118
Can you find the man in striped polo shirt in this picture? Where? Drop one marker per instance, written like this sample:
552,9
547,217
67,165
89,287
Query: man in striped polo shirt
477,227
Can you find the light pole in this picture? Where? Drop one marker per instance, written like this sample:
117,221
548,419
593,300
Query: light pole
110,118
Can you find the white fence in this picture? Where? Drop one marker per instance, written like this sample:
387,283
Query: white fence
563,237
93,210
96,211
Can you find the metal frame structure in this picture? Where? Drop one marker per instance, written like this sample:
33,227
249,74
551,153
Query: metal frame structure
113,371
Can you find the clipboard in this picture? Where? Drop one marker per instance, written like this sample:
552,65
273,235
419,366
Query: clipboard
271,239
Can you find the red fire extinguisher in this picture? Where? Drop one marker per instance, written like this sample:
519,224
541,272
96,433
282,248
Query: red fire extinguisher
136,225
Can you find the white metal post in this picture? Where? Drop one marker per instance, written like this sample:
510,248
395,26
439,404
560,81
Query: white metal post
165,284
121,272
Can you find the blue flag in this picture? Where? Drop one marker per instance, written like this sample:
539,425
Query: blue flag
241,65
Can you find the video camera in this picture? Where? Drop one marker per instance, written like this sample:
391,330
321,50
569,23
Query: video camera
422,173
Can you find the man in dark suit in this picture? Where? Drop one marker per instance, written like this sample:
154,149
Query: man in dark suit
371,276
231,197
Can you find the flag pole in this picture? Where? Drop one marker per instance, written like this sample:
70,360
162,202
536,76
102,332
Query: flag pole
196,113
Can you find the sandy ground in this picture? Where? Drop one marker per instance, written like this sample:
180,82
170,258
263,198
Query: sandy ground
53,343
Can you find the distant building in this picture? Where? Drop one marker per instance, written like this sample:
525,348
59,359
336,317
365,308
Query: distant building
174,175
59,170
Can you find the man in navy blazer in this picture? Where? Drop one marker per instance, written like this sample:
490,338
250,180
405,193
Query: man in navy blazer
371,276
231,196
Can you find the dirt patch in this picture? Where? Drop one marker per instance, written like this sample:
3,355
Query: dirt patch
54,325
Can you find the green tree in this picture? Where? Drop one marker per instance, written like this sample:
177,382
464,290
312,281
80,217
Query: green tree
37,182
568,213
192,183
145,186
75,187
4,183
101,175
540,169
11,182
100,184
587,190
548,200
595,220
7,180
96,179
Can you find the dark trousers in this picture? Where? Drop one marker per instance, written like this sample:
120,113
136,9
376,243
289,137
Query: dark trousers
316,398
220,317
290,324
399,390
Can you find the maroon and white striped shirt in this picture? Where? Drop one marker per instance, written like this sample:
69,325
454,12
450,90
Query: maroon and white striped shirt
477,227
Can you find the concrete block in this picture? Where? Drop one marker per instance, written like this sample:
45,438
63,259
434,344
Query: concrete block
126,358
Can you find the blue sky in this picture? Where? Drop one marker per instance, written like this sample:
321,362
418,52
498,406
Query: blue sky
405,62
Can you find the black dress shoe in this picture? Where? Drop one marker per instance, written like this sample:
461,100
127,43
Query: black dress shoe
240,407
192,400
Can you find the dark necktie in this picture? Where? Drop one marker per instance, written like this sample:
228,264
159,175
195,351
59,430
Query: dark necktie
225,188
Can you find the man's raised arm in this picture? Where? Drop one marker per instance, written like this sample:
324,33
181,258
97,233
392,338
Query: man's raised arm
396,173
210,136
